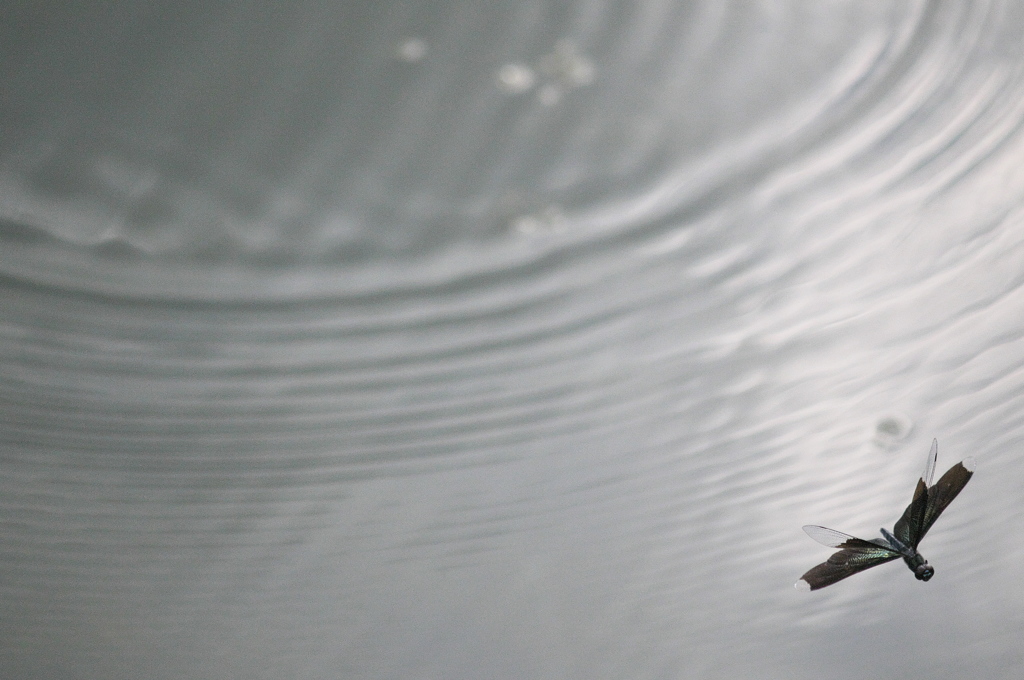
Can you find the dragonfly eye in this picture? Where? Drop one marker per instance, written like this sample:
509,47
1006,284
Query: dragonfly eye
924,572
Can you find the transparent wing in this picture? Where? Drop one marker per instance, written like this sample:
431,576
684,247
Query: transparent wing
837,539
929,466
828,537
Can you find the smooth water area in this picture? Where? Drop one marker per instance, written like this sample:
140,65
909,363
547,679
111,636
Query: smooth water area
515,340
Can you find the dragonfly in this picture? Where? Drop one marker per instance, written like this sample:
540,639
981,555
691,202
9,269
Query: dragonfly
856,554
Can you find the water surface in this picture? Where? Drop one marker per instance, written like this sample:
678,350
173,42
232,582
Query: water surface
519,340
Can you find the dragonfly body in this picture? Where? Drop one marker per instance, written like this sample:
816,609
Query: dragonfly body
856,554
915,560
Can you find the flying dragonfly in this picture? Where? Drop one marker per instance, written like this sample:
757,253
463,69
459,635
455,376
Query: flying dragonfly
856,554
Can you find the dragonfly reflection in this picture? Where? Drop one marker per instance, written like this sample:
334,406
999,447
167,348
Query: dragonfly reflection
856,554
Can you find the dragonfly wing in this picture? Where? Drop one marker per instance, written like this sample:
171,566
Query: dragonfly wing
845,563
908,527
828,537
929,466
836,539
855,554
943,493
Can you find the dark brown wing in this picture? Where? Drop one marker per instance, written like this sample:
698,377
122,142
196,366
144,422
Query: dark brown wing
855,555
929,501
928,504
827,573
943,493
908,527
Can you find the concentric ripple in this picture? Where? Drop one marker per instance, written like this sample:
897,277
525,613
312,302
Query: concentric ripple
420,340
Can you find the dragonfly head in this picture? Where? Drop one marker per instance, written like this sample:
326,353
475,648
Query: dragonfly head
923,572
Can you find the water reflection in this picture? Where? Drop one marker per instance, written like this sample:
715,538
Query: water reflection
333,347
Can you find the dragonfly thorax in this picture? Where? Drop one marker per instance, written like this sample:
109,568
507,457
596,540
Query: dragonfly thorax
918,564
899,546
915,560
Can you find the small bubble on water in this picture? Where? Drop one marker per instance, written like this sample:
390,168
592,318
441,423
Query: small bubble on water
516,78
412,50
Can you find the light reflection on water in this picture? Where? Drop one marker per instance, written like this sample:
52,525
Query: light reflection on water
309,399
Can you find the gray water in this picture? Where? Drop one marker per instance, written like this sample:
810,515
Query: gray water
507,340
